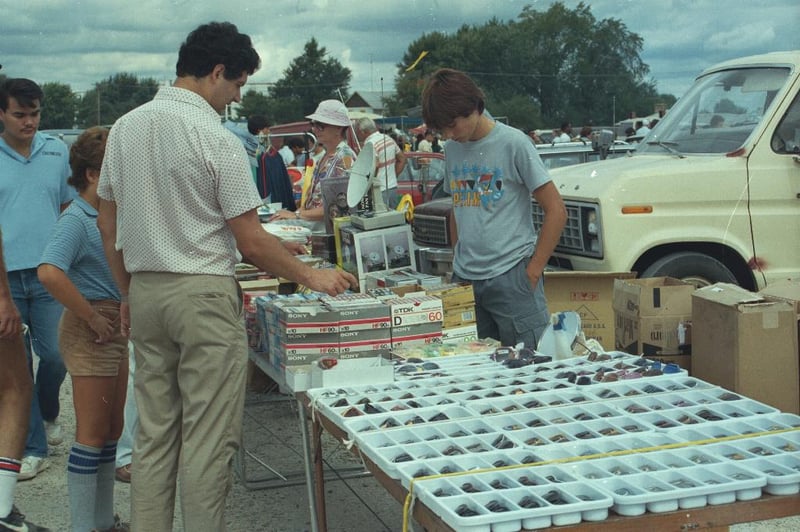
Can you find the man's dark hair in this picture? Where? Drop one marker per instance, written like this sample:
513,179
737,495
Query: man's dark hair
25,91
217,43
296,142
256,123
450,94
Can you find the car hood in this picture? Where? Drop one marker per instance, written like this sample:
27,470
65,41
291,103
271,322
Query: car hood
644,175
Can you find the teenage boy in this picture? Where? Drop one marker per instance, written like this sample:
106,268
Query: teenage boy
491,172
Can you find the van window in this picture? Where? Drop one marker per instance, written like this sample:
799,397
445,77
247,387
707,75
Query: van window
786,138
718,113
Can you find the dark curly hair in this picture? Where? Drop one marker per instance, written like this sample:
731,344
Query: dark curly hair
217,43
87,153
25,91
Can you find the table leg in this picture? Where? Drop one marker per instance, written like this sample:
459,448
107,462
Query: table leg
319,475
312,502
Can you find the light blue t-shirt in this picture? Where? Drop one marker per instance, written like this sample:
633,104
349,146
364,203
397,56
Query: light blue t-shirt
491,181
32,191
76,248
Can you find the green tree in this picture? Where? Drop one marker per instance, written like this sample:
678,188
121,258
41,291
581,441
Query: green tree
558,65
113,97
253,103
58,107
309,79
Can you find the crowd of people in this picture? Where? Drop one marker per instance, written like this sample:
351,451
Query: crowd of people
121,253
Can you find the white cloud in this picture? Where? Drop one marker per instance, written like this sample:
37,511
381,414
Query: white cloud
82,42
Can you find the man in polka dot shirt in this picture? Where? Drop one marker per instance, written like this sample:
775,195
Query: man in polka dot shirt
177,200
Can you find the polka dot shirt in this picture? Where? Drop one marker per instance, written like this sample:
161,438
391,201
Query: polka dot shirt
176,175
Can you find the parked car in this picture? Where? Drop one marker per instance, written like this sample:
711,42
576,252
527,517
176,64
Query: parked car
69,136
710,195
422,176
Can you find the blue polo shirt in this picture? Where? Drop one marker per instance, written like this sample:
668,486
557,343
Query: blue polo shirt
76,248
32,191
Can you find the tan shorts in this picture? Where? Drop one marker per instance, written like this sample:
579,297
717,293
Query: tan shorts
82,356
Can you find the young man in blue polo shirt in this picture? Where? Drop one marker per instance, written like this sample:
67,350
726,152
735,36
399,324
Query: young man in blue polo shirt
33,191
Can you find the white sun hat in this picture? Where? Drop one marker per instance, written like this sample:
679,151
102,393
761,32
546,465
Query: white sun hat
331,112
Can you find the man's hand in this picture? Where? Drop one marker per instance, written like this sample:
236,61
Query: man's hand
332,282
295,248
10,320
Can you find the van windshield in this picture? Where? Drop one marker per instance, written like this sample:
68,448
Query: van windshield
718,113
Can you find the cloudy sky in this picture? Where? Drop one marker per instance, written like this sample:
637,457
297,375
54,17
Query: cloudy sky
80,42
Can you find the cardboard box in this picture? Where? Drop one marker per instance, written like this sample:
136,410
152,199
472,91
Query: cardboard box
453,294
458,316
590,294
652,316
788,291
747,344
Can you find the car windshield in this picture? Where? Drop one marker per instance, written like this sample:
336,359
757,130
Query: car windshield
718,113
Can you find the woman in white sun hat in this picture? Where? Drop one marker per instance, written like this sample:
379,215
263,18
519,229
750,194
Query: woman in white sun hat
329,123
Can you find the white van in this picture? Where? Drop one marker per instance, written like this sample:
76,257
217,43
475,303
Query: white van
711,194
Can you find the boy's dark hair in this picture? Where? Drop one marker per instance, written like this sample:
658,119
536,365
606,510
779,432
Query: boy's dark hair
256,123
85,153
217,43
448,95
25,91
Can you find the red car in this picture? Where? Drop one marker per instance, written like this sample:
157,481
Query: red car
422,176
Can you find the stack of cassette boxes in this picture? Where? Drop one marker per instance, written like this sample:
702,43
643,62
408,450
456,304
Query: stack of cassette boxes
416,320
301,329
364,325
458,306
303,332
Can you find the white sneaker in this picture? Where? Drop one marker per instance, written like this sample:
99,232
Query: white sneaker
54,432
32,466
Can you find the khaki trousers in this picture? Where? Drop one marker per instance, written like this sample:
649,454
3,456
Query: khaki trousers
191,359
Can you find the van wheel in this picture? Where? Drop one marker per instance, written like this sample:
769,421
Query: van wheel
695,268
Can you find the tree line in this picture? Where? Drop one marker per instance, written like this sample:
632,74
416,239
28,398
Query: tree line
542,69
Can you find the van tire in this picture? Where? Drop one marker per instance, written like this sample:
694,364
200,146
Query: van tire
696,268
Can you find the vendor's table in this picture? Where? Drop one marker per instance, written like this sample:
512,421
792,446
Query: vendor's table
717,517
261,361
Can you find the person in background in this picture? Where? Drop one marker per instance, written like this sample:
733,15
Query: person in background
534,135
586,133
16,389
75,271
564,134
290,151
256,125
498,248
642,129
436,146
426,144
34,168
329,122
190,185
389,158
